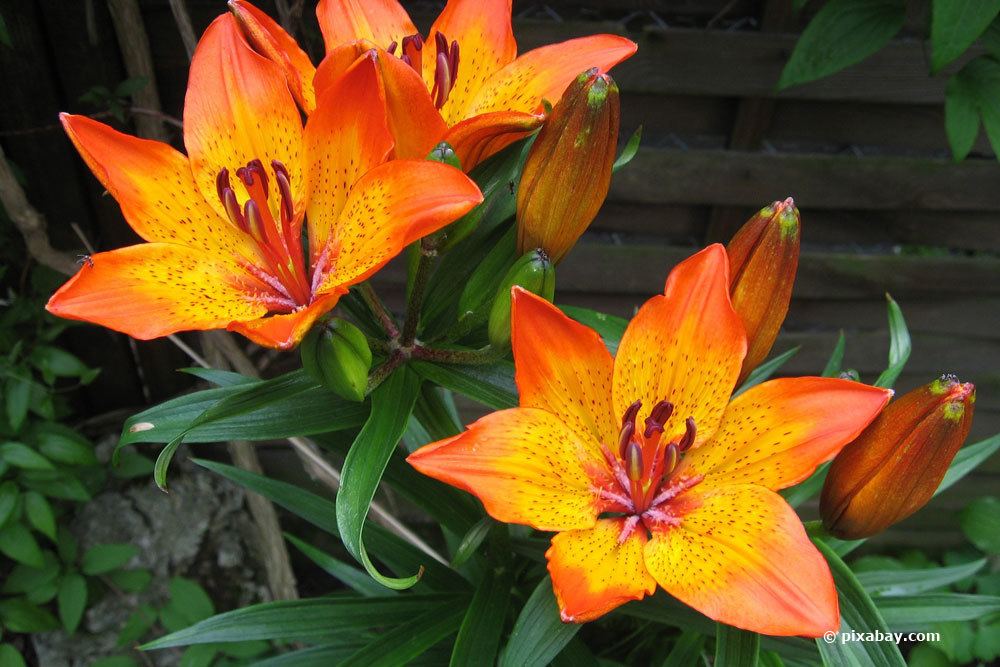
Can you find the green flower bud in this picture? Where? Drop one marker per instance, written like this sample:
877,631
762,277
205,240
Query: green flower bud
535,273
444,153
336,355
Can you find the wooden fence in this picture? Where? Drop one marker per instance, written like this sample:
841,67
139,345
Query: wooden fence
863,152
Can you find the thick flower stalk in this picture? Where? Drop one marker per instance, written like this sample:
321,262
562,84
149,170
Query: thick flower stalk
763,258
224,224
568,170
646,470
897,464
463,82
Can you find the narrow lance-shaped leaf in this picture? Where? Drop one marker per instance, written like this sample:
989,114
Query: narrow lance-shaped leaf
735,647
899,345
392,403
539,634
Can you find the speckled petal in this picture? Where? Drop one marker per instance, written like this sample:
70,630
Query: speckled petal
777,433
380,21
392,206
479,137
741,557
593,571
525,466
564,368
154,186
345,138
284,331
544,73
154,289
238,108
685,347
415,124
486,44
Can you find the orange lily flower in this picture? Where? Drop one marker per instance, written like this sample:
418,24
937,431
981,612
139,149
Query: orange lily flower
223,224
647,471
464,83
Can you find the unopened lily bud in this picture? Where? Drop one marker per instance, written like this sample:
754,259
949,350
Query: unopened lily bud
532,272
271,41
568,170
897,463
763,257
337,356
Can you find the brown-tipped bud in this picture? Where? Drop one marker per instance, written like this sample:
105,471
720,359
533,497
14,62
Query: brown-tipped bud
763,257
270,40
568,170
897,463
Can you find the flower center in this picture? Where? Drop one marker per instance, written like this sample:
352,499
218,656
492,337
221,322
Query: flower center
445,63
643,481
282,281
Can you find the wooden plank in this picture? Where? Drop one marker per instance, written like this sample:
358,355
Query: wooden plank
736,178
641,269
856,230
748,64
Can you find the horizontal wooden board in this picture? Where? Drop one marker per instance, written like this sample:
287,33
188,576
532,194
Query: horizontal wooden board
745,63
744,178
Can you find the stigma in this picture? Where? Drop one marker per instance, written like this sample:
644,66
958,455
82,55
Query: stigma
643,467
280,279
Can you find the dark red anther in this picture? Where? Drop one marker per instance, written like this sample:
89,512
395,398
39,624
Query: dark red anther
222,183
630,413
671,456
392,48
633,461
254,222
233,208
625,437
442,80
689,434
406,59
251,172
410,54
453,62
441,42
658,417
283,179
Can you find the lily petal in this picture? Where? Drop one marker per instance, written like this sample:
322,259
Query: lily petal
286,330
778,432
380,21
415,123
157,193
525,466
740,556
237,109
594,570
155,289
486,44
544,73
271,41
479,137
685,347
345,138
392,206
563,368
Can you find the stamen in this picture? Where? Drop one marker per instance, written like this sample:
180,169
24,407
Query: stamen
442,81
413,46
392,48
628,430
676,489
633,461
616,498
670,458
222,183
631,412
319,269
627,528
689,435
658,418
254,221
269,280
233,209
453,63
283,180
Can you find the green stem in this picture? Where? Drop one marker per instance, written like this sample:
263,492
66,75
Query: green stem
484,355
378,309
428,252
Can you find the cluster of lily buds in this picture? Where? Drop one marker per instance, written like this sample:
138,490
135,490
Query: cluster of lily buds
763,258
568,170
898,462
